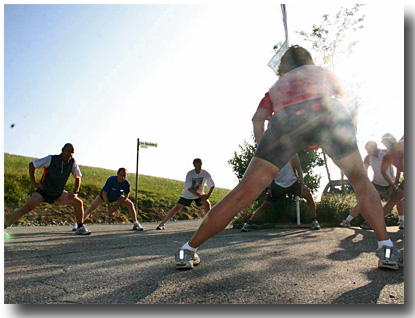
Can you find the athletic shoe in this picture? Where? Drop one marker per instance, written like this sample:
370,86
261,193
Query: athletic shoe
186,259
82,231
315,225
345,223
401,224
366,226
137,227
161,227
389,257
246,227
75,226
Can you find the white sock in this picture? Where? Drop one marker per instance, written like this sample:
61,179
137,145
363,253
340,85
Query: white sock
188,247
385,243
401,217
349,218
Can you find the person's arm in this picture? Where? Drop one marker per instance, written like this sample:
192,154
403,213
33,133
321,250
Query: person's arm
32,171
207,195
193,191
366,163
386,162
105,196
77,185
297,167
258,123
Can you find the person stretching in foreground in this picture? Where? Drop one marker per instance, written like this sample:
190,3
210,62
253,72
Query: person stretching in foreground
307,112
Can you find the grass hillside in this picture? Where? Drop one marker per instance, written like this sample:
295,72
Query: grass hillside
156,196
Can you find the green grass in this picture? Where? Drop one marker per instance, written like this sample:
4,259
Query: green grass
156,196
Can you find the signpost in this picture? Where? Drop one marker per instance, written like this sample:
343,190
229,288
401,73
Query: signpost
142,144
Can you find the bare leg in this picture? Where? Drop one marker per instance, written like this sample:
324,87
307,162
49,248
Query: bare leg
311,206
131,210
367,197
206,207
395,199
260,212
32,203
73,200
172,212
257,177
95,204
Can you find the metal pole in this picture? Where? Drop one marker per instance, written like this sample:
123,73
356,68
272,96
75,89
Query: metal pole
136,175
297,203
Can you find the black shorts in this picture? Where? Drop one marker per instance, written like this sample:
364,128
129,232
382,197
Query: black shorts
187,202
278,192
384,191
326,122
102,198
48,198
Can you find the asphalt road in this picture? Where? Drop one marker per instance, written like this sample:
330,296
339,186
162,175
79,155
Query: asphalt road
114,265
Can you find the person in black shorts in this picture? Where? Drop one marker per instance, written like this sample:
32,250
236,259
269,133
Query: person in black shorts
194,186
290,181
116,190
57,169
307,111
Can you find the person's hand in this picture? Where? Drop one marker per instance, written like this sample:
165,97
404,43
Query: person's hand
37,185
112,210
269,192
204,197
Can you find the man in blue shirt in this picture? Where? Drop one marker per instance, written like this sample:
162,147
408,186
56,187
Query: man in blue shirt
116,190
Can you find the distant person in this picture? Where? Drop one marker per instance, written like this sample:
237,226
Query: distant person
194,186
306,112
396,157
57,169
290,180
116,190
373,159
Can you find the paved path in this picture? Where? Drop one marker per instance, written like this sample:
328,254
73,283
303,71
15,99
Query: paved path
271,266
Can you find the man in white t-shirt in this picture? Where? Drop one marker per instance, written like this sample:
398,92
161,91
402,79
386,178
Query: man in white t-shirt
373,159
290,180
194,186
56,171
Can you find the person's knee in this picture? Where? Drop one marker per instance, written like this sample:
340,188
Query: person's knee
76,203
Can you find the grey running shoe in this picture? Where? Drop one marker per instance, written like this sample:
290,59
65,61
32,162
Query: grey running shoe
315,225
401,224
137,227
75,226
345,223
366,226
186,259
389,257
246,227
161,227
82,231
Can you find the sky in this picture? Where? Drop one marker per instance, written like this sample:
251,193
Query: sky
187,77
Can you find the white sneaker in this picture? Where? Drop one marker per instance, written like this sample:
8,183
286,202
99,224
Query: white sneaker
82,231
345,223
137,227
75,226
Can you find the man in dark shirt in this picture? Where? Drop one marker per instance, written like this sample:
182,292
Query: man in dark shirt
56,171
116,190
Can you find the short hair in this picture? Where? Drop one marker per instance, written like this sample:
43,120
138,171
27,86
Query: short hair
197,160
294,57
67,145
371,143
121,169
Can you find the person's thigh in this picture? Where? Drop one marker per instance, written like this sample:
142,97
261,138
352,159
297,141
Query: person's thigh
67,198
